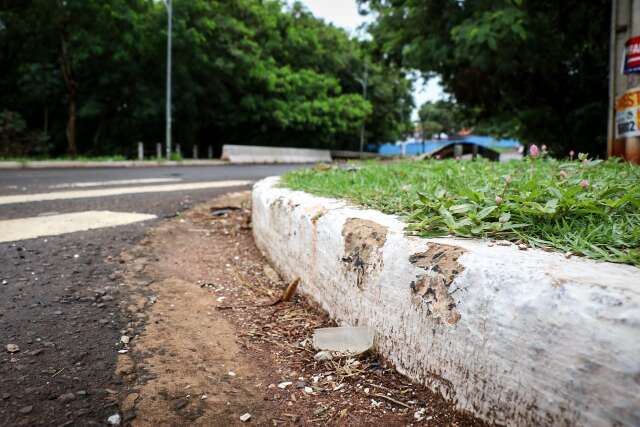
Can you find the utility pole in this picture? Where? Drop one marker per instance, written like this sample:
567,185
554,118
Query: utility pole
364,82
169,6
623,139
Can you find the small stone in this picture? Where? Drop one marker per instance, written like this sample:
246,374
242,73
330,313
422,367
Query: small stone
308,390
129,402
125,339
323,356
67,397
245,417
13,348
25,410
231,374
114,420
284,384
181,404
57,313
300,384
81,393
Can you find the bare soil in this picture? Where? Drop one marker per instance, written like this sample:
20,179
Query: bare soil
205,344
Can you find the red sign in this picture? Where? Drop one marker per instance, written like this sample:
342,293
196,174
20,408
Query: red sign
632,56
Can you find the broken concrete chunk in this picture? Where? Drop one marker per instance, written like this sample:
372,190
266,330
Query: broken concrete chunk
346,339
13,348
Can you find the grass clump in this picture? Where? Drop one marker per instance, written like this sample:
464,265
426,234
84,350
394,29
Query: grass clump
584,207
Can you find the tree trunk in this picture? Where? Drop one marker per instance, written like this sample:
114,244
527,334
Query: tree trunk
72,148
46,120
72,91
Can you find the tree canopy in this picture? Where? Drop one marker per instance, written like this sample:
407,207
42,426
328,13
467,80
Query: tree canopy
89,76
532,69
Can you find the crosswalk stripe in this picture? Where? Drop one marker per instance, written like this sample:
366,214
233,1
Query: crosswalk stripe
28,228
115,182
104,192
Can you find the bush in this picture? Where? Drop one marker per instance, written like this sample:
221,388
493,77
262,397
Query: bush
16,140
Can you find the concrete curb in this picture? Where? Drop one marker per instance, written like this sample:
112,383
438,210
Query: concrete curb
52,164
258,154
515,337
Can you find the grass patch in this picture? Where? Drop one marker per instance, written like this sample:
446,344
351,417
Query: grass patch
589,208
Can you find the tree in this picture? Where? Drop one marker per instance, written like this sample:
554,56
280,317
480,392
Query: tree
245,71
533,69
440,116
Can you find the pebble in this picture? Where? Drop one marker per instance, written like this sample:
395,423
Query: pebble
323,356
57,312
114,420
13,348
284,384
181,404
67,397
125,339
245,417
25,410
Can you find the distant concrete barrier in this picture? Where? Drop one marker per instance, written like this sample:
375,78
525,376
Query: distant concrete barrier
256,154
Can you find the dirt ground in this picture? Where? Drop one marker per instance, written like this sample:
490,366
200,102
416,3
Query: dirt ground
204,346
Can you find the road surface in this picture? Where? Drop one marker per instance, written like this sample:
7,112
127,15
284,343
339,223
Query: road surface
61,231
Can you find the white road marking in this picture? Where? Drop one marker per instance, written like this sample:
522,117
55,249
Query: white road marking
28,228
116,182
104,192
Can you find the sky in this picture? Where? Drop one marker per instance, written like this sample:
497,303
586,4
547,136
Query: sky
344,13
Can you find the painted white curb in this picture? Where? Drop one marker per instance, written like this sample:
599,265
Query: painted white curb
515,337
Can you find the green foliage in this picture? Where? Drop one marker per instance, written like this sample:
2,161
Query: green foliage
245,72
16,140
531,69
440,116
584,207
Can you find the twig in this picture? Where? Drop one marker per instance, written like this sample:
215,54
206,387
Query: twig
56,374
397,402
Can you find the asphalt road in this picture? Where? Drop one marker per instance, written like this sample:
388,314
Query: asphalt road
59,295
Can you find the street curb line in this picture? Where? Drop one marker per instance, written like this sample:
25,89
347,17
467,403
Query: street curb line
515,337
47,164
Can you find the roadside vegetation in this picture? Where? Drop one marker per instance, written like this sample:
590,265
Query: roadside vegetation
90,80
583,207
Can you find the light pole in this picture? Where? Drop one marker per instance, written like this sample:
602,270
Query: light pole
168,112
364,82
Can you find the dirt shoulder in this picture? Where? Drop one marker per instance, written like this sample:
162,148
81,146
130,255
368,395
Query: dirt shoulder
205,346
